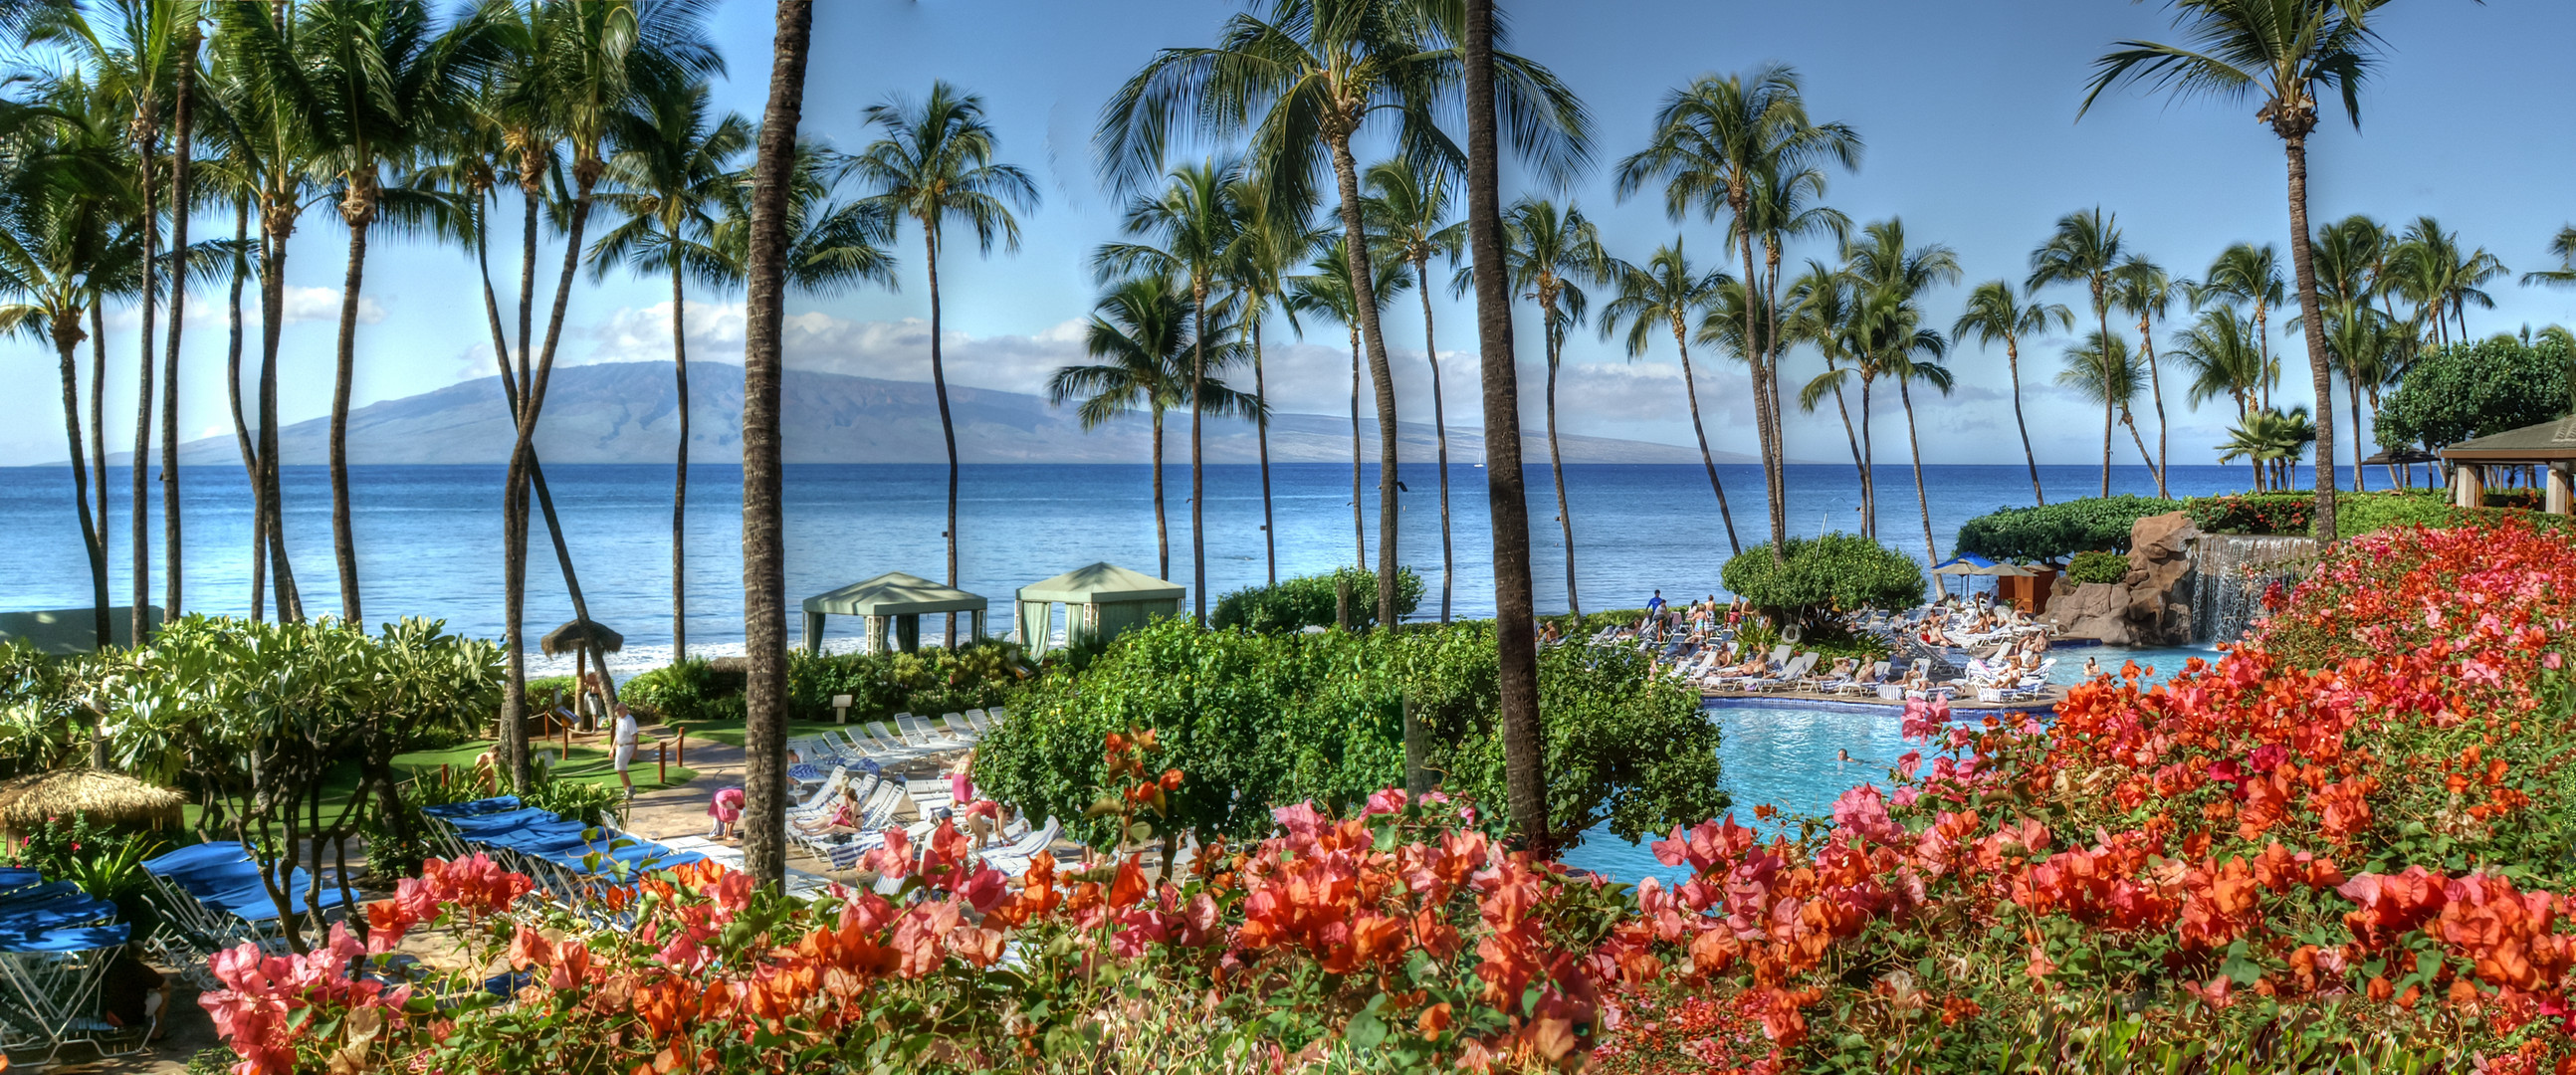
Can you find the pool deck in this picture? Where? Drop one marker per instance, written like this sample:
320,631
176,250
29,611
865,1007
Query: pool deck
1800,699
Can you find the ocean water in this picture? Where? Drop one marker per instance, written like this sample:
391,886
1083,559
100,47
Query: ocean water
429,537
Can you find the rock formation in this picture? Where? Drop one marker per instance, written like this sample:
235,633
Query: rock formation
2150,606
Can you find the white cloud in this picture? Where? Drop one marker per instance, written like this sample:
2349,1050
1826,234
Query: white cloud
303,304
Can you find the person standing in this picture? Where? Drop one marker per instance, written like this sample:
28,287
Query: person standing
1655,604
623,739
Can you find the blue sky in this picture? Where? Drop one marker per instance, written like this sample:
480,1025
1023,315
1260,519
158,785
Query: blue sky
1968,111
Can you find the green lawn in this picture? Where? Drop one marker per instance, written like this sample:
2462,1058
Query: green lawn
731,734
587,764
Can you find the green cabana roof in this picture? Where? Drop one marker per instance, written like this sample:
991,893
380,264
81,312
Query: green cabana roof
1101,583
893,594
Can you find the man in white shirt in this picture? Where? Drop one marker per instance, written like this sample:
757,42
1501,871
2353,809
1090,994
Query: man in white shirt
624,738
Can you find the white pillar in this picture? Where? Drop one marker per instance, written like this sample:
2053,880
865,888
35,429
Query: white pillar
2561,499
2468,485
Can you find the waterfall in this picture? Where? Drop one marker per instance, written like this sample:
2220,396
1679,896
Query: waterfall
2233,571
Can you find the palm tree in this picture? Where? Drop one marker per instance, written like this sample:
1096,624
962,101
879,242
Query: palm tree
376,78
2102,369
1304,76
2365,344
1196,225
2144,289
2272,440
1147,331
1888,277
2222,351
1994,313
2563,247
934,165
1723,142
1266,245
1327,292
1407,212
2085,249
1668,294
1516,628
2368,343
2290,54
764,551
2431,269
1916,357
132,50
1550,255
672,167
2251,274
1821,308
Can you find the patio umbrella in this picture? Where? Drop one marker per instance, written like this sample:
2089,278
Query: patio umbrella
579,636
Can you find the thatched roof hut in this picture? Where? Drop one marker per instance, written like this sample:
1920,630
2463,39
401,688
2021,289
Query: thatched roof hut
574,634
105,798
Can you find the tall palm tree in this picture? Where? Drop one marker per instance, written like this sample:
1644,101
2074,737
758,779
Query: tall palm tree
1407,212
2251,274
2563,247
934,165
376,78
1721,143
2368,343
1146,330
672,168
2433,270
1820,309
1551,254
1890,277
2103,369
2290,54
2365,344
2085,250
1668,294
1196,225
131,51
1301,78
2222,351
764,550
2144,288
1326,292
1516,629
1995,313
1269,242
183,145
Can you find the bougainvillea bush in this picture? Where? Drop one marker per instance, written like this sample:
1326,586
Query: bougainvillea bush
2342,847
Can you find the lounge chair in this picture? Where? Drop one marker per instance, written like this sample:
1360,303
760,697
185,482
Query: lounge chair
1790,674
1867,682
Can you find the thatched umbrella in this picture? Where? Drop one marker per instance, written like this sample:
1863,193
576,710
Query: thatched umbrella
580,637
105,798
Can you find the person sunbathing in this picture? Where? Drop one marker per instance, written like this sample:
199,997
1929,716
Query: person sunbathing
844,817
1934,635
1755,666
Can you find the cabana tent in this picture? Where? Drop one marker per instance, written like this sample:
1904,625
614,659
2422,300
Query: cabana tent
895,599
1101,602
1970,564
2549,445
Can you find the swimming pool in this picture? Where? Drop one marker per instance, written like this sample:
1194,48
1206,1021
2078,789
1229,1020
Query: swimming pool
1793,757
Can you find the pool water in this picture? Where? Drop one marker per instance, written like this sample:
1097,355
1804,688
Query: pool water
1794,757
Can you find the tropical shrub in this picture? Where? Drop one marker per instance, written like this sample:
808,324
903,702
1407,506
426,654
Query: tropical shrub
2477,389
42,725
2098,567
931,682
105,861
684,690
1815,578
2056,531
1267,719
1313,601
2256,513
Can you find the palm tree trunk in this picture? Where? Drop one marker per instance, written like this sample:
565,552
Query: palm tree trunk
98,453
2262,353
2106,448
140,623
2102,310
1381,375
276,226
1556,467
241,428
1359,524
2144,456
680,477
1515,634
763,539
2352,391
183,123
344,548
947,426
2155,389
1922,500
1850,434
1761,391
532,402
2295,149
1198,487
93,537
1868,467
1440,430
1771,381
1162,531
1690,391
2012,364
1261,438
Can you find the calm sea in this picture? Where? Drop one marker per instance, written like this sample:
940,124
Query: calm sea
429,537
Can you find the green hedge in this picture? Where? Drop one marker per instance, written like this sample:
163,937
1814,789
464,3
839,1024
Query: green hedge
1313,601
1818,576
2257,513
1254,721
2098,567
929,683
2059,530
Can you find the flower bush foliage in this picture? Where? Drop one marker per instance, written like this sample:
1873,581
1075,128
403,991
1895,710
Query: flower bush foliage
1814,578
2343,846
2098,567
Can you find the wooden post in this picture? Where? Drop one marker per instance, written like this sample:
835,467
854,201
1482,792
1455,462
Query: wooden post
662,763
680,753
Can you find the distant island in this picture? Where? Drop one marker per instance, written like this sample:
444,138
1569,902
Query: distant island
625,412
